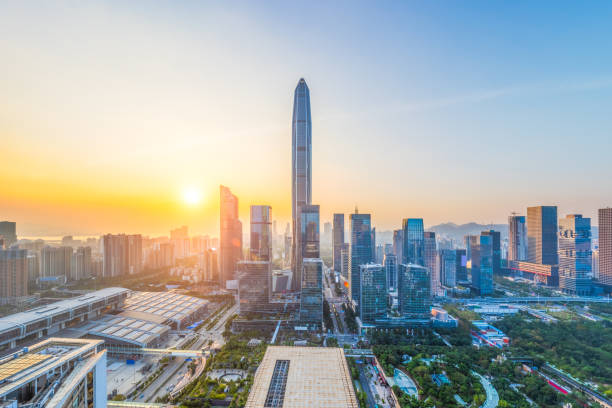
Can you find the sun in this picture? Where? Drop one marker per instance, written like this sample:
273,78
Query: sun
192,196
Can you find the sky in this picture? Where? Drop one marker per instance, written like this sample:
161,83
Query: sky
111,112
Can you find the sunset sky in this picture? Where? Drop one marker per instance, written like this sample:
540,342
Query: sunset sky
111,112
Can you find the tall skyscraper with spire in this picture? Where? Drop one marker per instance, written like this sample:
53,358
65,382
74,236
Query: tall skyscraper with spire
301,171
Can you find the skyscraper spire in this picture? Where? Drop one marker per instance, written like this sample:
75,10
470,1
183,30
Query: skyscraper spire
301,170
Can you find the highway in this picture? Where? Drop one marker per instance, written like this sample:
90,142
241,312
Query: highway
492,396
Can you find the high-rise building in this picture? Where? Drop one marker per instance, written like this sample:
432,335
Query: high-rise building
326,237
496,248
414,241
542,235
209,264
345,254
605,246
595,264
460,265
398,245
181,232
230,236
481,263
517,238
121,254
575,255
254,285
373,233
360,250
301,169
80,267
308,238
13,274
430,256
338,240
261,234
311,297
413,293
390,264
55,261
447,261
8,231
373,293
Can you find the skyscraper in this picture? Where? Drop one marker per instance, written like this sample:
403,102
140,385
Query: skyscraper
575,255
414,250
122,255
430,255
13,274
55,261
398,245
301,168
311,298
517,238
254,286
413,292
373,293
390,264
338,240
482,264
261,234
496,249
447,261
542,235
80,267
605,246
460,266
360,250
345,254
308,238
230,236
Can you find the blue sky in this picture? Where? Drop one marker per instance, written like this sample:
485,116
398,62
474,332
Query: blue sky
451,111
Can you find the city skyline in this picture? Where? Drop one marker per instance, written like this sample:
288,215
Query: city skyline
123,160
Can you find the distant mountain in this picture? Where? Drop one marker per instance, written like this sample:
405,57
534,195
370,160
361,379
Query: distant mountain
457,232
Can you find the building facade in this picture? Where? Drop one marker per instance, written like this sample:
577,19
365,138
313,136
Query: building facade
8,233
230,241
542,235
605,246
311,298
430,256
309,240
301,168
413,294
13,275
121,254
254,286
360,250
517,238
55,261
261,233
447,261
338,241
81,267
414,241
575,260
373,293
496,249
390,264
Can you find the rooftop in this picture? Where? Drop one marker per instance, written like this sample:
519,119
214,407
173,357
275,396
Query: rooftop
303,377
164,305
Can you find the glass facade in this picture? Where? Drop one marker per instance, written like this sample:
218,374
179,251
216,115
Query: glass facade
542,235
373,293
390,264
575,259
360,250
517,238
414,291
261,233
414,241
338,241
254,283
230,236
482,265
430,256
311,300
301,168
496,248
447,260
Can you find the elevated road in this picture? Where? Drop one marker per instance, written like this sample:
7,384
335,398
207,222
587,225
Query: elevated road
534,299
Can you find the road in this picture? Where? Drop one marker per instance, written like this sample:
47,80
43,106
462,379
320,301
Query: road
178,367
492,396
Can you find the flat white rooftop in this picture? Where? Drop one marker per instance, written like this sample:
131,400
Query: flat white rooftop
303,377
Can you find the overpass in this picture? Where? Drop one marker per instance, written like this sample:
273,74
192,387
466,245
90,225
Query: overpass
535,299
121,404
169,352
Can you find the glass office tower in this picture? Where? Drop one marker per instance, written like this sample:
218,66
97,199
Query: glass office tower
261,233
373,293
301,169
414,241
338,241
517,238
230,240
575,262
390,264
254,284
496,249
311,299
482,265
447,261
542,235
360,250
430,255
413,291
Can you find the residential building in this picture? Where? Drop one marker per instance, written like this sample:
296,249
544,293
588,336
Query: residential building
13,275
8,231
121,254
575,255
80,267
55,261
